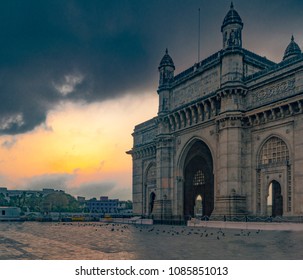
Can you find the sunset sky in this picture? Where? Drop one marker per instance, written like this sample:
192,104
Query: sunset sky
77,76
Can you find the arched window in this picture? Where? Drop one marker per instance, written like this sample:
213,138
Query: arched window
151,175
199,178
274,151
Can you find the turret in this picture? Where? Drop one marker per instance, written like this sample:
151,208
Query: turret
232,29
166,70
292,49
232,60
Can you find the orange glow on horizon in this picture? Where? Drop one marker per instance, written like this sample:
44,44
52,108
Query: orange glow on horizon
87,140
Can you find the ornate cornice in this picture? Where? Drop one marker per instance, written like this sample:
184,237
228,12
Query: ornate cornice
143,152
274,112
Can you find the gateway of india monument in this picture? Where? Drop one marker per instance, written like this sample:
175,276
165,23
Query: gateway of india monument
228,137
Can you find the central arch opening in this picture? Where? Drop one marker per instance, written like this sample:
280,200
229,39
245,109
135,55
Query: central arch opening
199,206
199,181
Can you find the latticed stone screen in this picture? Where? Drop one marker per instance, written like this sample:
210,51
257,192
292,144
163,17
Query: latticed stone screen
274,151
199,178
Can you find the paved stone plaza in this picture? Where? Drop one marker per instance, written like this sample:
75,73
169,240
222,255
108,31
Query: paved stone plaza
100,241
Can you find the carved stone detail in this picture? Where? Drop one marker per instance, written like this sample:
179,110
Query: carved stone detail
263,96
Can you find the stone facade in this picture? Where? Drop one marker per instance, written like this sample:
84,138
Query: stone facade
228,138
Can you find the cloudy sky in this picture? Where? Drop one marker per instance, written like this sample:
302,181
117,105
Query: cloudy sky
76,76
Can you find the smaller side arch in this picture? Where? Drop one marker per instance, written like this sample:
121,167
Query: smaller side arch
152,198
274,199
149,188
273,177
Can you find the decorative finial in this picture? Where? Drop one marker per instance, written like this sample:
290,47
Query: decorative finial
166,51
231,5
292,38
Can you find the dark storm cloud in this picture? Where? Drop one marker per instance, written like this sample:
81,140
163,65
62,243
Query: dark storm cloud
53,51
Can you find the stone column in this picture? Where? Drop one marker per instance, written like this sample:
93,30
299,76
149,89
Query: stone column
137,185
163,202
230,200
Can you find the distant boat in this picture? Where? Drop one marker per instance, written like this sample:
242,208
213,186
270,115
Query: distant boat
78,219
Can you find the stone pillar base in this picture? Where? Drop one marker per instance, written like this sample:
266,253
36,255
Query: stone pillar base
232,205
162,209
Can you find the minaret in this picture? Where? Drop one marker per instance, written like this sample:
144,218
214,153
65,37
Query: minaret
166,70
232,29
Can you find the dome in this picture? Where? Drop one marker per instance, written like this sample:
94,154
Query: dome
292,49
166,60
231,17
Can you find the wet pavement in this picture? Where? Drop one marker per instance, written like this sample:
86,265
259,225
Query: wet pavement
101,241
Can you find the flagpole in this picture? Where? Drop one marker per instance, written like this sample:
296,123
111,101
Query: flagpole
199,36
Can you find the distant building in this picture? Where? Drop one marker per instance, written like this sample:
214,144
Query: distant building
228,137
104,205
125,207
80,198
11,193
7,196
9,213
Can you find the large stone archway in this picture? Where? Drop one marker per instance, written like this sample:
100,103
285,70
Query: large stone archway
198,180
